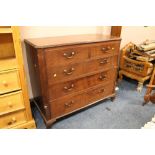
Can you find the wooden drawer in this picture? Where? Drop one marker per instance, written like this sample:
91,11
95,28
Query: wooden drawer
11,120
98,64
67,104
65,88
62,73
65,55
105,49
99,92
9,81
11,102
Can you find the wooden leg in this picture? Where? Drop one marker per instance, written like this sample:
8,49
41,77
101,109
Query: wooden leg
140,86
50,123
113,98
120,76
144,103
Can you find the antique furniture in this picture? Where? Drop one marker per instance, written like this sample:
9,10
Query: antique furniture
149,96
134,68
73,72
15,109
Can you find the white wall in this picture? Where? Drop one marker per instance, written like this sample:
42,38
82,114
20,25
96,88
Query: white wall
35,32
137,34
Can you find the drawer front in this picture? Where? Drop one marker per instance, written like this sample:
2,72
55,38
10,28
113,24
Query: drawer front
9,81
66,88
71,71
105,49
56,74
61,56
12,120
11,102
71,103
99,93
98,64
67,104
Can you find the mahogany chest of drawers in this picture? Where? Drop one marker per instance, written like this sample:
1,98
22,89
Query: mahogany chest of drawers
72,72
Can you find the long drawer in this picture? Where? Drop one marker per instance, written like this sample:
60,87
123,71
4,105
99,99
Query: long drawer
11,102
71,103
9,81
66,88
67,104
13,119
56,74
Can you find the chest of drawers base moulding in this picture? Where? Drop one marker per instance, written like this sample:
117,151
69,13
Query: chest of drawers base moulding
72,66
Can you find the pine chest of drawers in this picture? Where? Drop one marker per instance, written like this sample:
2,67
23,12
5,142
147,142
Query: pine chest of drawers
15,111
72,72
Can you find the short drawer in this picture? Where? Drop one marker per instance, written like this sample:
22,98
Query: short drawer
11,120
62,73
99,92
66,88
67,104
98,64
66,55
11,102
9,81
105,49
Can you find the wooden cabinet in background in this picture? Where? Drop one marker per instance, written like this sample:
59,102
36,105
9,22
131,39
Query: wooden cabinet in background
15,109
72,72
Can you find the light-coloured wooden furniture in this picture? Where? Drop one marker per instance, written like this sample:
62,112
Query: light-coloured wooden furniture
73,72
15,109
149,95
134,69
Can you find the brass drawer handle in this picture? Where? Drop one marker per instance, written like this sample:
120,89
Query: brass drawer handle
69,88
69,72
13,120
104,61
67,105
69,55
102,77
106,49
101,90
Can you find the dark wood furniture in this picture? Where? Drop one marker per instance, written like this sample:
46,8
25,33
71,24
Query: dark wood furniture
116,31
149,96
73,72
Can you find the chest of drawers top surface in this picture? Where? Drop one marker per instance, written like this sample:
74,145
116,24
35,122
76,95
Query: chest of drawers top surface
69,40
